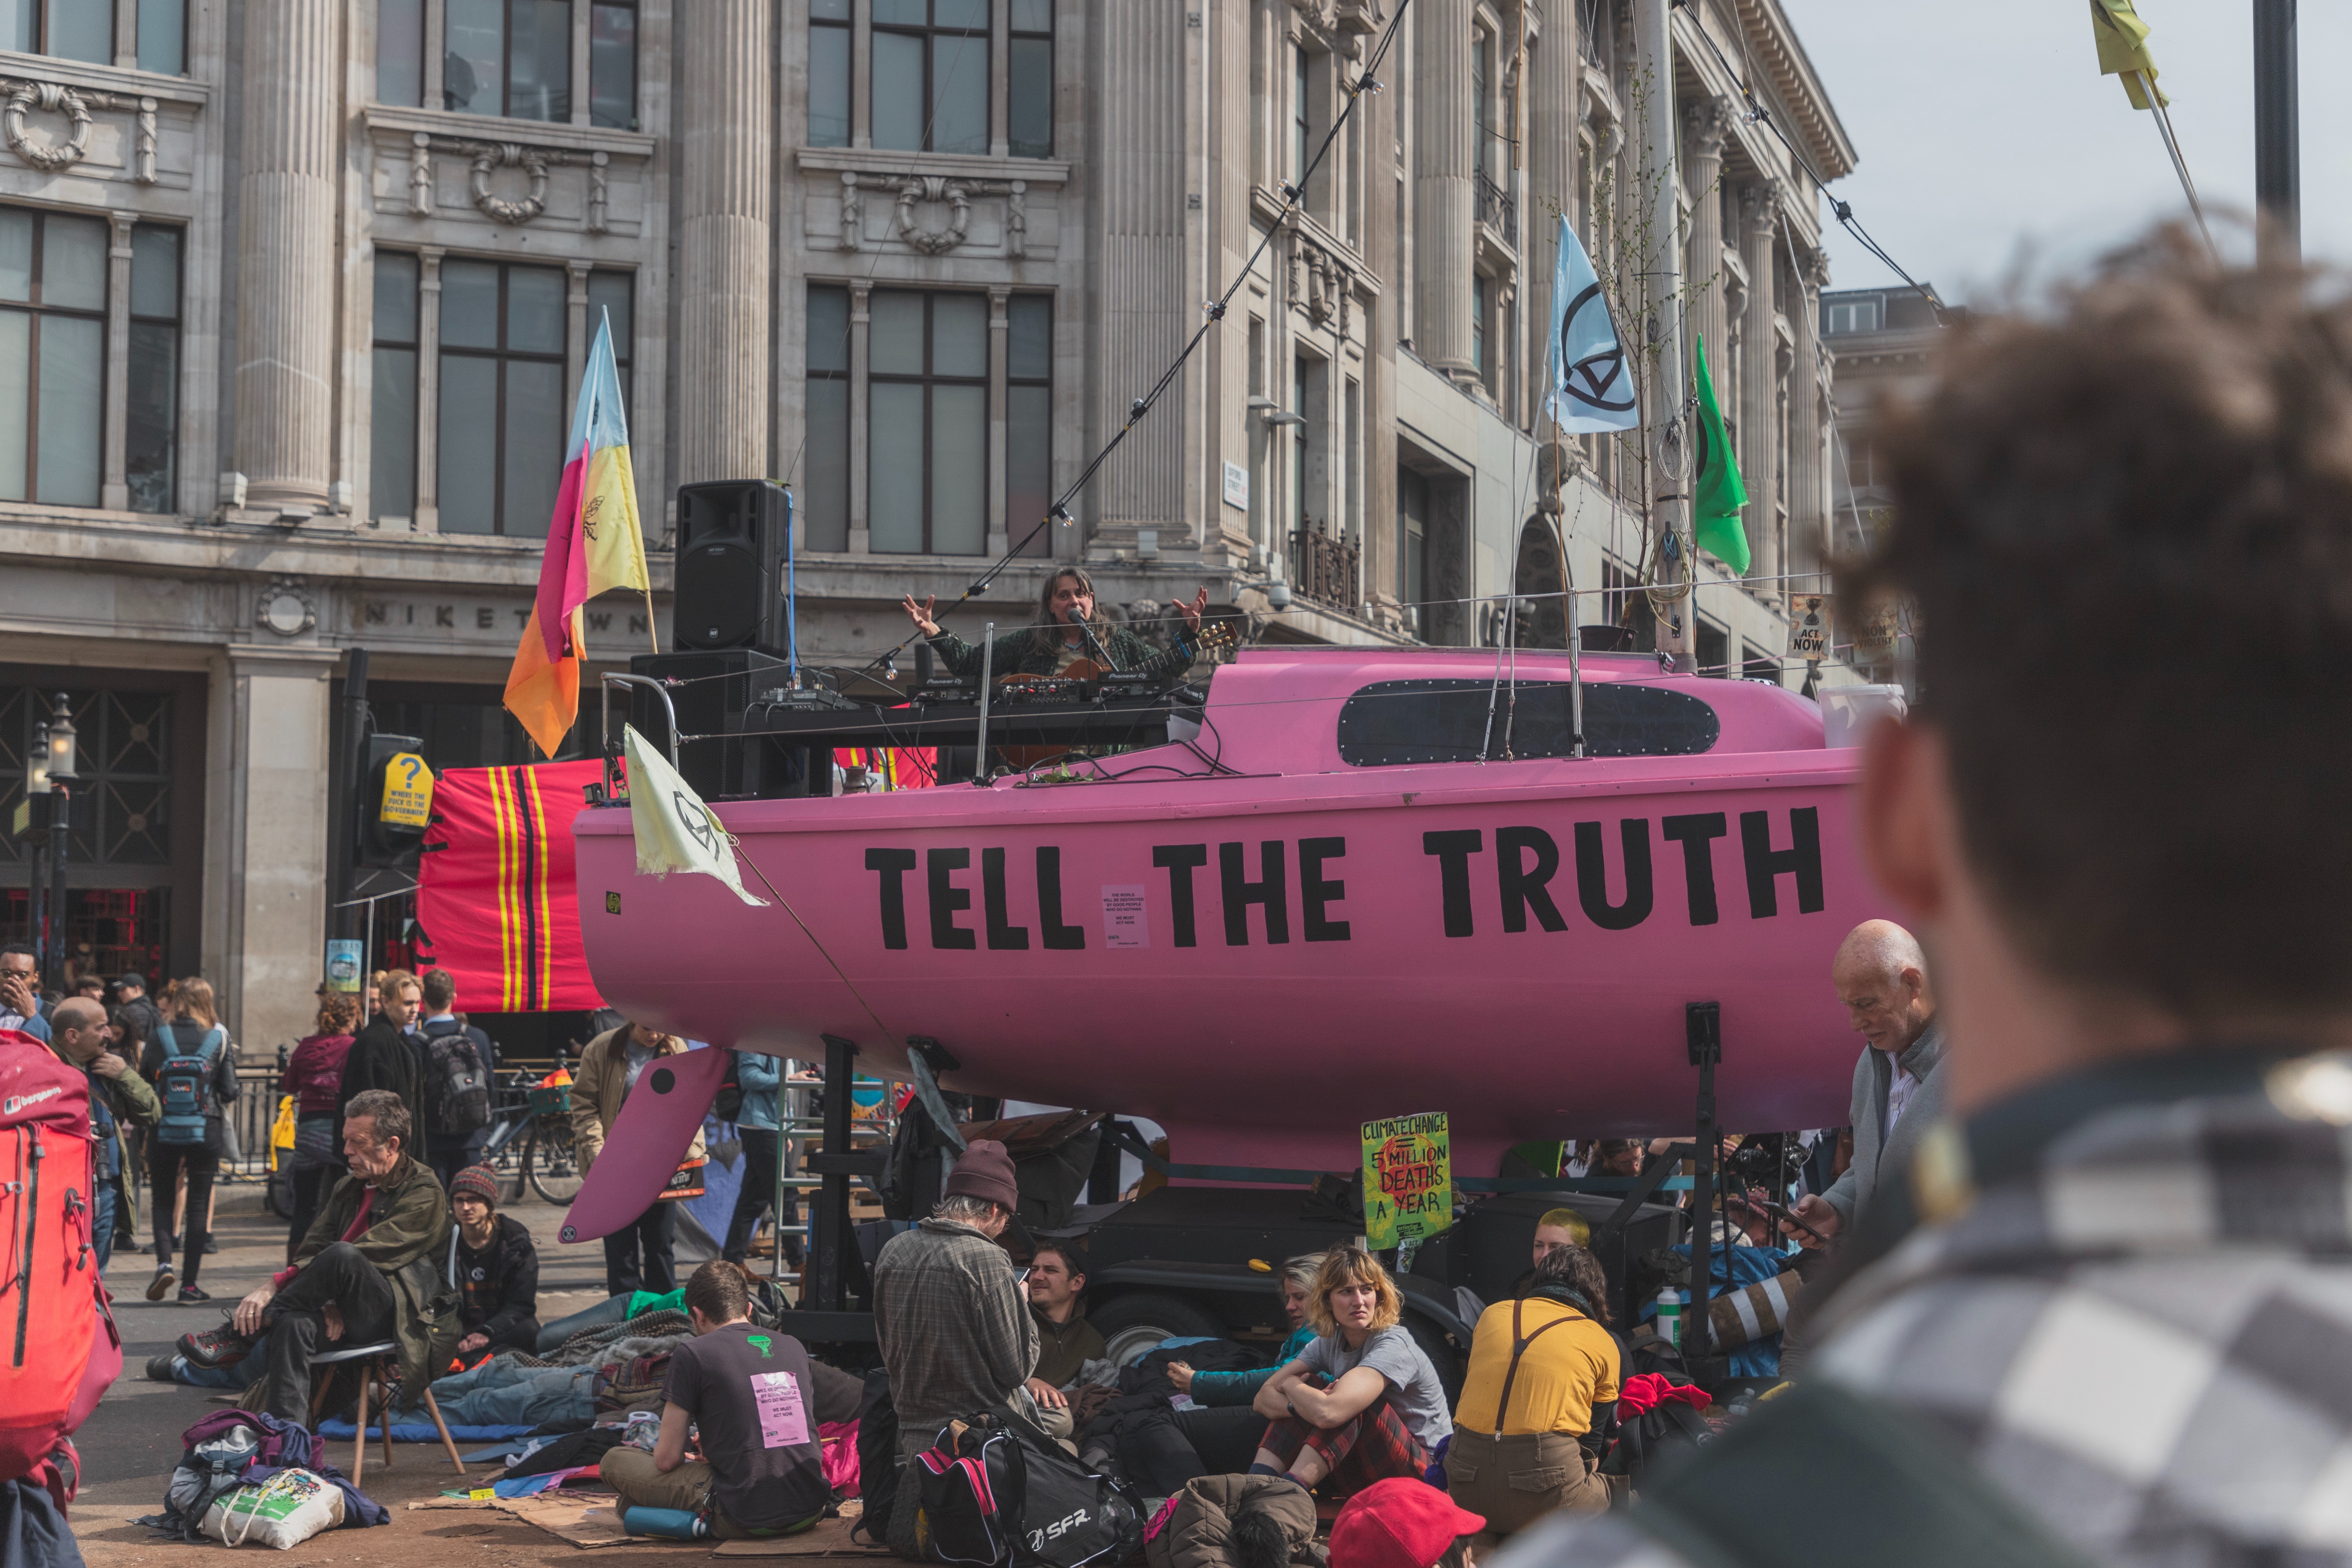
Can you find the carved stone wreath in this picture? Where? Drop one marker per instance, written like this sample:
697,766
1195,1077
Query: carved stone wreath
36,149
509,155
934,188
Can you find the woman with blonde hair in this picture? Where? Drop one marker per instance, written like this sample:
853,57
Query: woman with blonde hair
1363,1402
194,1068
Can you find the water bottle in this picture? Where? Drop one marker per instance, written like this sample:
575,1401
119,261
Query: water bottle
1670,1317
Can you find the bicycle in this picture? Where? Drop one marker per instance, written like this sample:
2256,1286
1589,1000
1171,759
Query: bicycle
530,1141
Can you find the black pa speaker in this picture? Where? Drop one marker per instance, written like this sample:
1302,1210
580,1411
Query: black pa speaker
712,690
730,567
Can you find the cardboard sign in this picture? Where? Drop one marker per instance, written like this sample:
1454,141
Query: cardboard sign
407,792
1809,630
1408,1179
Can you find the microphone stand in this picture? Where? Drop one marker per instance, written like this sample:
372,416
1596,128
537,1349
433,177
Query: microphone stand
1087,628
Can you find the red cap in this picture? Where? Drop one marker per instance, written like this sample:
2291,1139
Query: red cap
1400,1523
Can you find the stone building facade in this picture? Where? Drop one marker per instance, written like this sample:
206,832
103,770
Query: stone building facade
294,295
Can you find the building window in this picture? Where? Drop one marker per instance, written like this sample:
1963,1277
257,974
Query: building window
391,417
400,52
1354,437
1412,540
1480,289
1302,441
509,58
53,273
1861,315
1302,117
824,504
1029,421
828,77
612,297
930,75
502,415
1482,127
928,422
163,36
1029,80
152,415
69,29
613,64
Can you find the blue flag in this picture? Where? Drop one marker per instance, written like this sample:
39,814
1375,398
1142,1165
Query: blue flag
1589,389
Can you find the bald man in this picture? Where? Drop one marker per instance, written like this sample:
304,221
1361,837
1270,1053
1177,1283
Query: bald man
1881,975
81,1036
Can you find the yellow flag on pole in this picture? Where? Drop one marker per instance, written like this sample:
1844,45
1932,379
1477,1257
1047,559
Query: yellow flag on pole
2122,39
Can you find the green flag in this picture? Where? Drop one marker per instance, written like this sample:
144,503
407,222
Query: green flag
1718,495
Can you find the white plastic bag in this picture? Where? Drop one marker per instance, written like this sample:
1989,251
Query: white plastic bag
284,1511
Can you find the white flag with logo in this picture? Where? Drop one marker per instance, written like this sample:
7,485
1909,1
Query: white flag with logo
675,831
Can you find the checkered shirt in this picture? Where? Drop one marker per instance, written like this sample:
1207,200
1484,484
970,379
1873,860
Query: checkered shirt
2135,1319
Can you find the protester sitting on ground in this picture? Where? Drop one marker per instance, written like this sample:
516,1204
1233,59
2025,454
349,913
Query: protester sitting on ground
494,1268
756,1400
368,1272
80,1036
954,1330
1361,1402
1066,1341
1538,1403
1233,1521
193,1066
1618,1157
1222,1427
639,1255
314,1077
386,1054
1403,1522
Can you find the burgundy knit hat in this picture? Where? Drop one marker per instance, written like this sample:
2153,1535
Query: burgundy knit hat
984,1171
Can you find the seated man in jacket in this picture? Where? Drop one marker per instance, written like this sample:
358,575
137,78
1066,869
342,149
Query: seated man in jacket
756,1399
494,1268
368,1271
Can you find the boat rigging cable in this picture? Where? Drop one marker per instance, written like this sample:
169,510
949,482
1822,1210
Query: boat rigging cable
1293,192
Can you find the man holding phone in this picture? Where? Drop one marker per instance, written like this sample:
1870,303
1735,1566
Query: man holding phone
20,991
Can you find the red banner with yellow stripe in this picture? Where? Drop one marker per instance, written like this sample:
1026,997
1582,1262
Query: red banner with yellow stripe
497,891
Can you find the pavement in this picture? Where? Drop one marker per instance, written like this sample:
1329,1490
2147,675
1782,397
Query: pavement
131,1441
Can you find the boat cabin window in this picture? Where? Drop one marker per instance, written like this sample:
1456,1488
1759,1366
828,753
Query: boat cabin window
1391,723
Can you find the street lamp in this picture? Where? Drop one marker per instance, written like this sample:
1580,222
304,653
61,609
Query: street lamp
58,763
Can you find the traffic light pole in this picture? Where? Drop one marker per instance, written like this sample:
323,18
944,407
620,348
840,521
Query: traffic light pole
351,762
2278,161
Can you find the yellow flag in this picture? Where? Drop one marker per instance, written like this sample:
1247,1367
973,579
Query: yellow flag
2122,39
612,536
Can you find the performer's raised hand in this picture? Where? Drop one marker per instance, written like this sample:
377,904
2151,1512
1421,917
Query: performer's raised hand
921,614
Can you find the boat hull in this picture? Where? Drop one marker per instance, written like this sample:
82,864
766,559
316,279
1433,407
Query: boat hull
1258,965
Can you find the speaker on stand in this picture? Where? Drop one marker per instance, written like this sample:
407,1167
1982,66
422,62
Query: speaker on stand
732,538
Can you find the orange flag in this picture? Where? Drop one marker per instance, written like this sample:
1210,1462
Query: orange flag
543,693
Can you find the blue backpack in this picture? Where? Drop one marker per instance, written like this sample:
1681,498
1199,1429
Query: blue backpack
184,1083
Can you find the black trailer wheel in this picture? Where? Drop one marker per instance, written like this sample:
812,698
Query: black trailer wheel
1133,1323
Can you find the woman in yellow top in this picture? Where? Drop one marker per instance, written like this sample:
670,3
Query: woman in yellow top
1540,1400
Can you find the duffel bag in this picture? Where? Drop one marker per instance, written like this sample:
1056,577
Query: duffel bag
999,1493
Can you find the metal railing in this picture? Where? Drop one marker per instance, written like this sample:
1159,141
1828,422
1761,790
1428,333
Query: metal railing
1324,567
1497,210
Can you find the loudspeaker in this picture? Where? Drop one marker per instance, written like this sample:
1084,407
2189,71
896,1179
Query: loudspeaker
714,689
730,567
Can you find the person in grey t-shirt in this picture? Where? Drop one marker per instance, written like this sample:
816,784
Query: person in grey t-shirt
1361,1402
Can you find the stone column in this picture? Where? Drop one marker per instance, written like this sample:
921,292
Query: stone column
114,490
1759,385
1705,124
286,268
266,877
1554,94
1445,205
1808,534
726,110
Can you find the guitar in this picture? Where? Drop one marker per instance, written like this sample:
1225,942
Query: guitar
1072,680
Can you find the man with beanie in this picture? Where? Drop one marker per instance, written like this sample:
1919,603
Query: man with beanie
955,1328
494,1268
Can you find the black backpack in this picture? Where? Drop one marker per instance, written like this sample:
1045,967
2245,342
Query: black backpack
458,1082
1656,1442
877,1457
1000,1493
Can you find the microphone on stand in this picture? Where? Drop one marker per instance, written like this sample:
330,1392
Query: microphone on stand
1086,628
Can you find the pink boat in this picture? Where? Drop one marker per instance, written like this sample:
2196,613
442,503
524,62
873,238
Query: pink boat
1321,907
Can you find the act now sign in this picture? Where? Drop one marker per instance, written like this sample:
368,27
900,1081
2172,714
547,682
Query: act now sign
1408,1179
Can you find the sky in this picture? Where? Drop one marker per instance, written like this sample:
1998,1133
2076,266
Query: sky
1990,147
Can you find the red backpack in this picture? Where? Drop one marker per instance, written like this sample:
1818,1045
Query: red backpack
54,1362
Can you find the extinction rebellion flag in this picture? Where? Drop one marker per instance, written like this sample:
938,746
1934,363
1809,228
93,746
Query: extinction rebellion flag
1718,492
1589,387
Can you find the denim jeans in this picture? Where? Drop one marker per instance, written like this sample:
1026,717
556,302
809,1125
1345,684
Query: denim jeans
500,1393
602,1315
102,1220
